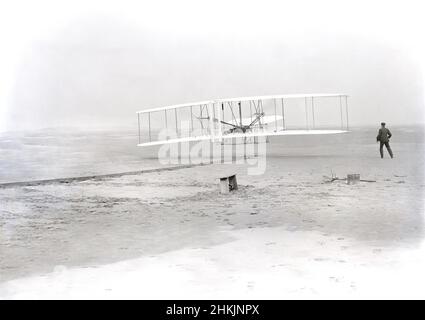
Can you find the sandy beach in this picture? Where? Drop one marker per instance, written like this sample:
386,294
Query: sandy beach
285,234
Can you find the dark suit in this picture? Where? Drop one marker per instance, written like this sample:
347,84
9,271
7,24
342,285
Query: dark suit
383,137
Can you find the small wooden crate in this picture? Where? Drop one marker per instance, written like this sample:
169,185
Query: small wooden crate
228,184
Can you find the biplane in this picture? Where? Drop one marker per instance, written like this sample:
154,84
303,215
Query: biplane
244,118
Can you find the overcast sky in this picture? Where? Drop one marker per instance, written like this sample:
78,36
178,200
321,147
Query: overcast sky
95,63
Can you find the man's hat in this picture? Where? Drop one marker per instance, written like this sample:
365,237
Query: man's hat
382,123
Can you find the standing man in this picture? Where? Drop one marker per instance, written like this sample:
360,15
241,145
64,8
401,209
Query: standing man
383,137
